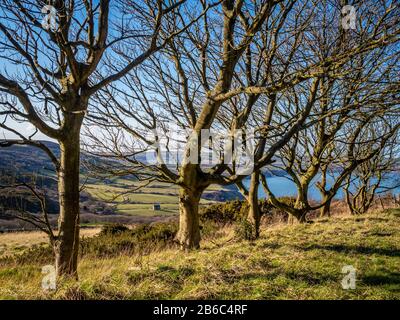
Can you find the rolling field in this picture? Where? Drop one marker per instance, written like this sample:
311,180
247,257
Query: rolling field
140,202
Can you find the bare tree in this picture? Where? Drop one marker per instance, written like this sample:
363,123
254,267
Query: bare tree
353,159
312,150
254,51
274,127
362,85
11,185
373,176
51,68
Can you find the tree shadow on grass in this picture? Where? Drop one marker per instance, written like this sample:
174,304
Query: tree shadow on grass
375,219
311,278
389,281
392,278
354,249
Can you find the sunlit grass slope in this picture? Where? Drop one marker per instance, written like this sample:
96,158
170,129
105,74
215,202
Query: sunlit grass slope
288,262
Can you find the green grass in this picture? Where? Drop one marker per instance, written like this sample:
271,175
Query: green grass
288,262
147,209
139,203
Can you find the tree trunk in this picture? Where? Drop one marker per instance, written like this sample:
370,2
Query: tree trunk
188,235
298,217
67,243
291,219
254,215
301,218
300,206
325,210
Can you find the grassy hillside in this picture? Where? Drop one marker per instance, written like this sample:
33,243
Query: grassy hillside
14,242
288,262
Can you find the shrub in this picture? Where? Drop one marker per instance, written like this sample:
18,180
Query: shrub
114,228
227,212
277,215
142,239
38,253
156,232
244,230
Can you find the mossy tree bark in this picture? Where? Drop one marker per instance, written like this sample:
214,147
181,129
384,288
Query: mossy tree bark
325,210
66,244
188,235
254,214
